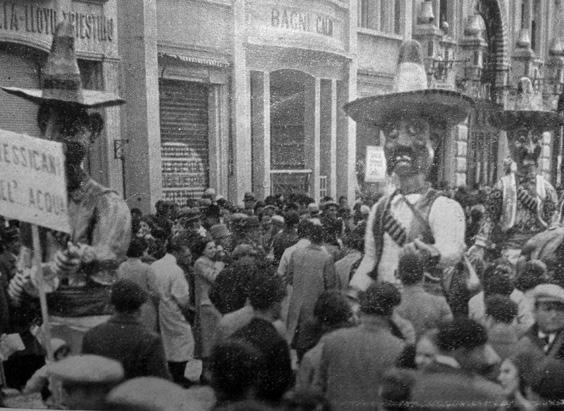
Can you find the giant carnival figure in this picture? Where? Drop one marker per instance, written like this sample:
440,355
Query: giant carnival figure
416,217
78,268
523,203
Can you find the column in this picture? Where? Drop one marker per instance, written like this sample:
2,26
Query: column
241,173
137,31
260,132
111,167
218,124
328,142
312,144
346,127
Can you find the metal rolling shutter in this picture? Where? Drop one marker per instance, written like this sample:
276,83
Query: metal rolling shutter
184,139
17,114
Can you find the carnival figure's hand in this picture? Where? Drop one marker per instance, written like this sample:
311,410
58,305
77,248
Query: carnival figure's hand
476,251
67,262
544,245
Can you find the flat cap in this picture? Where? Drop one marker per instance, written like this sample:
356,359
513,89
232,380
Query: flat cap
249,197
278,219
148,394
548,293
189,214
87,369
312,208
219,231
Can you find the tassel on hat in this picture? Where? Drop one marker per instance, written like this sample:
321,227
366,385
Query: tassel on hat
411,95
526,110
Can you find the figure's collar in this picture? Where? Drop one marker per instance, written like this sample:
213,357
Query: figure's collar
419,189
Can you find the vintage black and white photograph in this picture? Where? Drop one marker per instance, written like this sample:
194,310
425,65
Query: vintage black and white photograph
282,205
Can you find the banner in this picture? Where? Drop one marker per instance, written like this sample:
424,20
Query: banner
375,165
32,182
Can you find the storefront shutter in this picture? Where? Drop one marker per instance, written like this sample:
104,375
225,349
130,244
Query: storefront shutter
184,139
17,114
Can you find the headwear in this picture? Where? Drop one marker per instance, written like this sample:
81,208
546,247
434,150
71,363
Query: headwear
187,214
209,193
330,203
410,96
249,223
364,209
526,110
219,231
548,293
312,208
87,369
277,219
155,394
249,197
61,81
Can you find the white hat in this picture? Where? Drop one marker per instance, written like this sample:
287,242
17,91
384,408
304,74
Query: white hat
548,293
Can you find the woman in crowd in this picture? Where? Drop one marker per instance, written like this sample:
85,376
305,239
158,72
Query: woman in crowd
142,274
206,269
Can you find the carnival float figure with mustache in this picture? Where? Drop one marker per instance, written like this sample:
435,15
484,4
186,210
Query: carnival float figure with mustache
78,268
415,218
523,203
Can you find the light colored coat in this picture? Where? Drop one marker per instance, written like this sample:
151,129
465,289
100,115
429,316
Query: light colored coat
176,332
311,271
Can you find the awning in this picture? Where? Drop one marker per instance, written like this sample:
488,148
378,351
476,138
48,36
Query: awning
198,58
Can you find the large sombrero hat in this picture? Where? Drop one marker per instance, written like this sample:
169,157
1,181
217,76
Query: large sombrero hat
411,96
527,109
61,81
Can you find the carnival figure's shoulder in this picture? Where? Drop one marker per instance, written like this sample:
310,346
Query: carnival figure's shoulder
447,205
107,198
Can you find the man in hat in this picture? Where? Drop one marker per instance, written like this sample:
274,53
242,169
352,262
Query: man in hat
353,360
541,350
546,336
415,216
522,203
86,380
80,267
125,339
249,202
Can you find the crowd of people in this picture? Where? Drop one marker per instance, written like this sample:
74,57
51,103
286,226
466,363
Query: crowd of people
249,307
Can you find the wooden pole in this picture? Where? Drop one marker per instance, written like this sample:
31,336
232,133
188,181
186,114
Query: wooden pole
41,288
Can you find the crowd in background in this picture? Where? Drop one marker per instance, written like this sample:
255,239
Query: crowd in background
252,301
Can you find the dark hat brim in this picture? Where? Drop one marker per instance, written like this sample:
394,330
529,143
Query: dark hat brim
84,98
514,119
434,104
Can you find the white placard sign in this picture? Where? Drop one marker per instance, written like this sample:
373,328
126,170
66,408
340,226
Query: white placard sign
375,164
32,181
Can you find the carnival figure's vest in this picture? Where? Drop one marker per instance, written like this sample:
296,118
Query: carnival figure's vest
92,297
510,199
417,228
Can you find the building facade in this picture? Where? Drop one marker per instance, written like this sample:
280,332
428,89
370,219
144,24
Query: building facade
247,95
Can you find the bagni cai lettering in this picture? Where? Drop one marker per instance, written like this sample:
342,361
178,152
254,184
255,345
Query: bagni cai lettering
42,20
293,19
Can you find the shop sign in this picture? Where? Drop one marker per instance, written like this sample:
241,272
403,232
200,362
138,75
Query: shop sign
375,164
294,19
94,31
32,185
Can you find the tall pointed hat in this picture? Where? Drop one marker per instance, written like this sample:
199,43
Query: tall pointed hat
527,110
60,80
410,96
